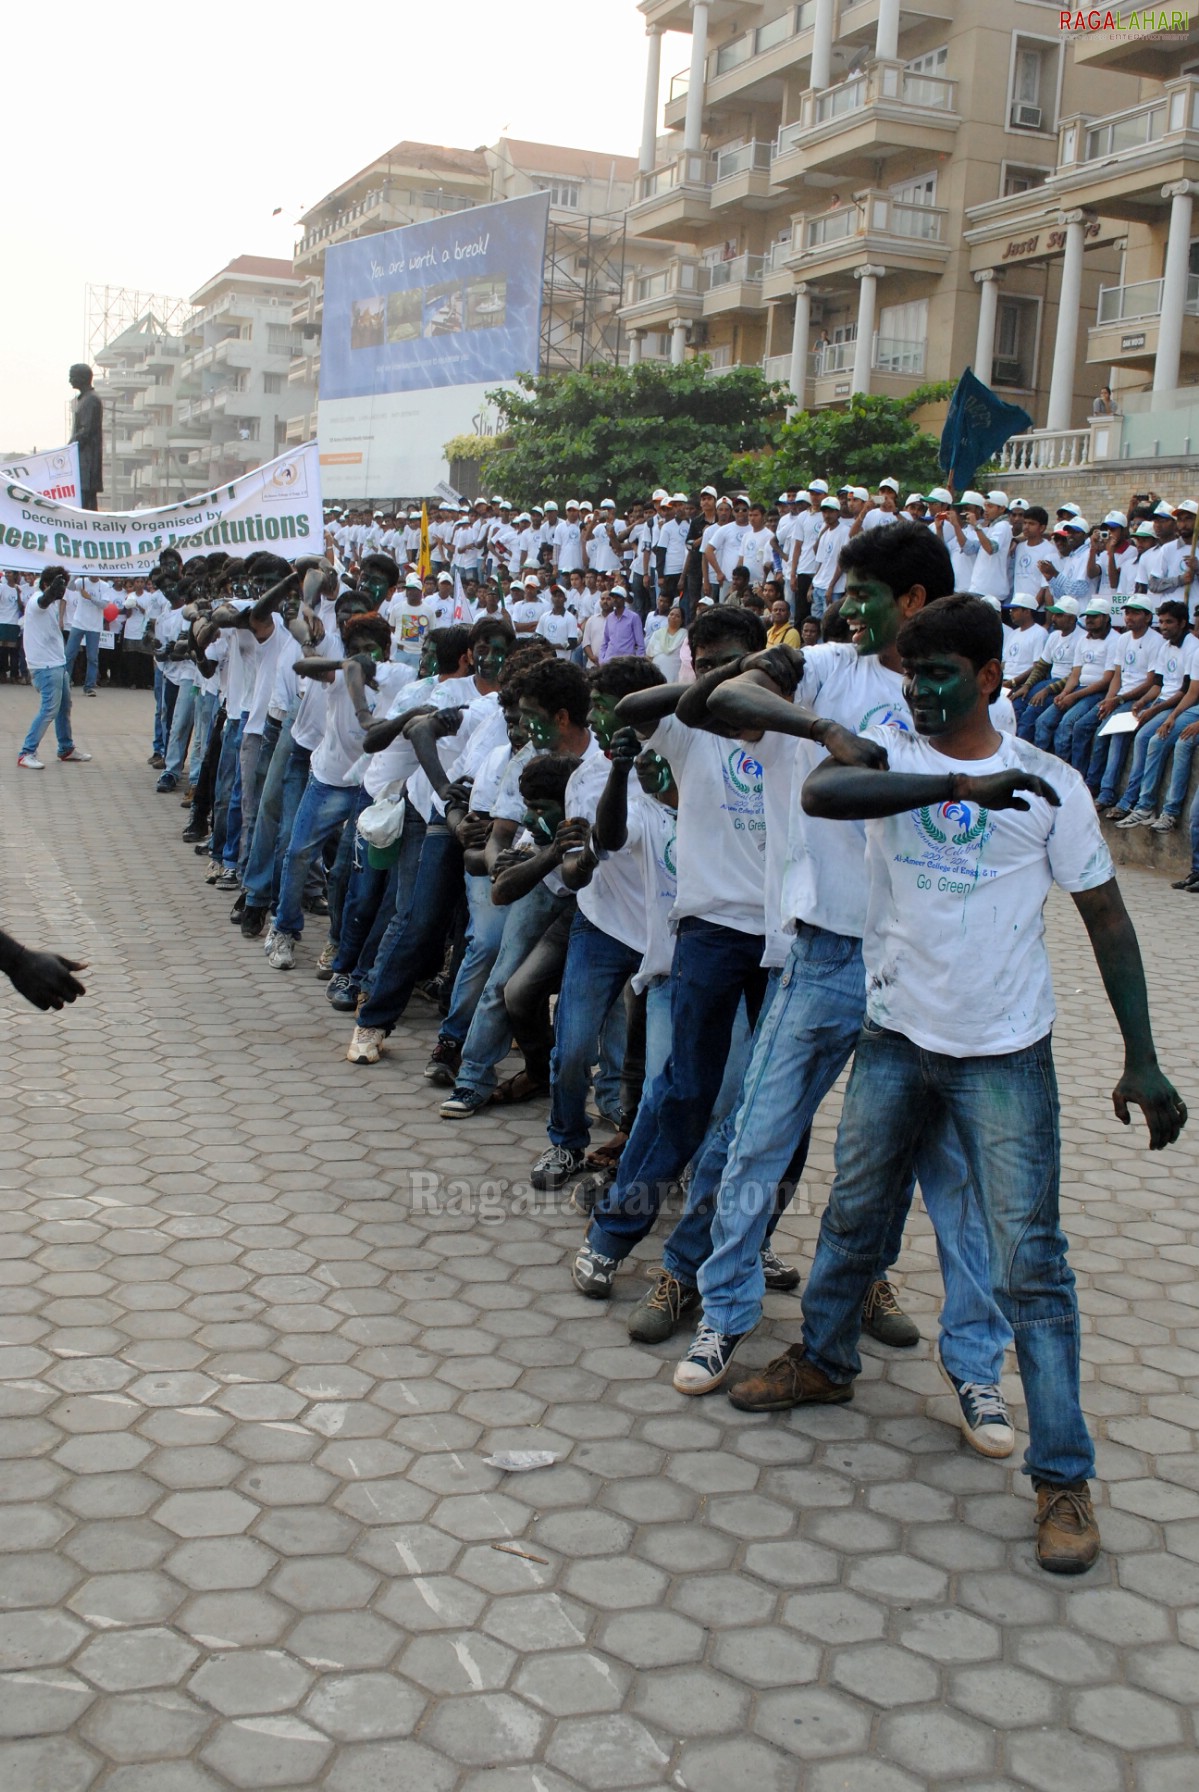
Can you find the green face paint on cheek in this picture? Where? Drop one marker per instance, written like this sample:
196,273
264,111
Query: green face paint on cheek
602,719
872,614
542,730
941,697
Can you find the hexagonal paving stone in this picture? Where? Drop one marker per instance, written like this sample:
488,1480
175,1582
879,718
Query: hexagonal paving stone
267,1751
364,1707
129,1660
602,1752
485,1727
250,1682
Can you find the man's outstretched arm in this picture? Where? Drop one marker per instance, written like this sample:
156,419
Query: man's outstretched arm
44,978
856,793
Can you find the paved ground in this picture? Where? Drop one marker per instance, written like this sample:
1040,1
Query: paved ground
251,1372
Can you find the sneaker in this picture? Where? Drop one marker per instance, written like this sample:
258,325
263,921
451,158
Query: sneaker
779,1275
556,1165
166,785
76,756
194,834
214,873
158,762
885,1319
982,1413
31,763
1067,1534
227,881
708,1361
341,993
283,953
790,1380
253,920
1134,818
315,905
443,1063
89,693
324,964
366,1045
1165,824
238,909
272,934
1113,812
1189,882
463,1103
659,1313
592,1273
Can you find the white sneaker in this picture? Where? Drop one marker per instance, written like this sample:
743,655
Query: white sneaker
76,756
1165,824
982,1414
272,934
1139,818
708,1361
366,1046
283,953
31,763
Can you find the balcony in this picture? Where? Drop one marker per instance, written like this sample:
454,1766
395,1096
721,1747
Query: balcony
1119,162
743,177
674,201
778,276
653,301
777,369
897,367
377,210
874,225
1128,319
850,128
734,285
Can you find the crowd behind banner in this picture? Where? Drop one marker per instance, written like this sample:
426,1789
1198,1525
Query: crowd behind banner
692,804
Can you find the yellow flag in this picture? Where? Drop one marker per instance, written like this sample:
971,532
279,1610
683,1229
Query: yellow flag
424,565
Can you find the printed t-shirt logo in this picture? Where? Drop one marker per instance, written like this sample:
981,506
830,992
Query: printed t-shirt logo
745,774
957,823
885,715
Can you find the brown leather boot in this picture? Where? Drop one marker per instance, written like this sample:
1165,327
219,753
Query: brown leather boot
1067,1533
790,1380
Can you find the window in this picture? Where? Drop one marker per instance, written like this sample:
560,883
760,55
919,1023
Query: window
1016,324
1036,67
272,382
562,192
931,63
921,191
902,332
281,340
1018,179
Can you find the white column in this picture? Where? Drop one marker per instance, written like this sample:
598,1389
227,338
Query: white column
800,331
678,341
636,337
693,123
868,278
649,119
822,46
988,308
1174,285
1065,344
886,35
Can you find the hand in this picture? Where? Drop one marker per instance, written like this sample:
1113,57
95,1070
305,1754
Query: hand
444,722
1048,568
1038,697
573,836
625,746
1162,733
1063,700
1164,1109
998,790
472,831
511,855
848,748
783,666
1106,707
457,794
46,980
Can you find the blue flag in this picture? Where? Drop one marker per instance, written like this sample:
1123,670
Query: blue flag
977,426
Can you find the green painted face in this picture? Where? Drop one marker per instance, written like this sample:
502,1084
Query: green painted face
518,734
540,726
543,817
491,653
374,586
870,609
601,718
941,692
653,773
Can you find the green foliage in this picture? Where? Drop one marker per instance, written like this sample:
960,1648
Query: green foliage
861,444
470,447
620,431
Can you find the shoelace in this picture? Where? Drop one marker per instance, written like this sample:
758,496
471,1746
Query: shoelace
1077,1506
986,1401
881,1299
667,1293
706,1348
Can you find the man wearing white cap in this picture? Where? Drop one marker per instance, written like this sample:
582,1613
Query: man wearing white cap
1138,676
804,536
1044,680
758,547
1111,554
1159,570
877,514
1072,540
828,581
723,551
526,612
411,622
1095,664
1168,726
1024,640
1028,575
991,574
672,538
602,537
566,542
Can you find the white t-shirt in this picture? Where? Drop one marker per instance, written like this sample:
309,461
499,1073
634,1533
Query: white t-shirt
1095,659
1137,659
143,607
722,826
602,553
1027,578
562,632
1177,666
828,547
726,543
824,877
10,603
990,573
807,529
878,519
526,610
335,760
653,830
955,938
41,633
758,552
1021,650
91,595
673,537
614,900
410,624
270,652
1059,651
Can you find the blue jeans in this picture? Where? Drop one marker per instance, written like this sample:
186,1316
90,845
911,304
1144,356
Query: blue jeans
1004,1110
295,783
53,686
484,936
1076,738
324,808
181,732
1054,726
489,1037
1149,759
597,969
1107,762
418,942
89,638
1026,716
714,967
254,760
266,849
206,702
164,709
231,851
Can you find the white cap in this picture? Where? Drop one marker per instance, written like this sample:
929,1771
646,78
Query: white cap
1021,602
443,578
1190,506
572,504
973,499
660,492
1069,509
585,504
817,485
377,516
889,484
914,498
1146,529
1077,525
532,583
1163,509
860,492
709,491
497,500
784,499
1098,606
993,601
414,582
524,517
1065,606
530,566
1018,504
830,504
550,505
504,504
1116,516
617,591
999,498
939,495
610,503
1142,601
680,498
707,603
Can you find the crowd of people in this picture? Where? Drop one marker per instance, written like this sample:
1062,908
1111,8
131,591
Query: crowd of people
693,805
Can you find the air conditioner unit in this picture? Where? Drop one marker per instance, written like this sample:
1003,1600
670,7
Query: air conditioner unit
1027,118
1006,373
697,335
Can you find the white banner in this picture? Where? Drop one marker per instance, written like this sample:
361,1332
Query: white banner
277,507
54,474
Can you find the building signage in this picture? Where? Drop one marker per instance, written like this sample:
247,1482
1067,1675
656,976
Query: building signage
1021,248
1136,341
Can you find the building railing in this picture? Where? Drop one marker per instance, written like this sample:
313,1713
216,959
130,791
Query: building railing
679,276
1131,131
693,168
1045,449
777,367
889,82
1142,298
777,254
740,268
888,354
410,198
871,213
746,158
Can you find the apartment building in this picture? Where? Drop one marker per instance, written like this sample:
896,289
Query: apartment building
585,263
823,164
136,376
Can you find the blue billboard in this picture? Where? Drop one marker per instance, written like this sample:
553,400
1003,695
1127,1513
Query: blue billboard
453,302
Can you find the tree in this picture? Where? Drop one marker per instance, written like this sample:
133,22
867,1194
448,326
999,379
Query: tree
620,431
859,445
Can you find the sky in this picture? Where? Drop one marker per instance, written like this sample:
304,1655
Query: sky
170,142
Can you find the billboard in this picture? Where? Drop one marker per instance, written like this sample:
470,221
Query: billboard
418,323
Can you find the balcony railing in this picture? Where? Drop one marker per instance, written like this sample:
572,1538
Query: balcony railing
1046,449
873,213
888,354
693,168
1143,298
777,367
888,82
776,255
1130,132
751,44
740,268
677,277
745,159
407,198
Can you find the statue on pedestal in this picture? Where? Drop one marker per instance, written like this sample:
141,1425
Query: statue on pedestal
89,433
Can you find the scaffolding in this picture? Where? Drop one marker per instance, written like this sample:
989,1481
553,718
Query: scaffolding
582,291
108,311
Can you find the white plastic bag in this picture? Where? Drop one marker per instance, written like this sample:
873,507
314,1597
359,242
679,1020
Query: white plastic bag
382,822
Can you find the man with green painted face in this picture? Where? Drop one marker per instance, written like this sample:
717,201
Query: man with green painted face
810,1029
967,832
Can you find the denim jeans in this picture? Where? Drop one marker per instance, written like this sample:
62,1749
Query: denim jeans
206,702
258,880
229,778
1054,727
254,759
164,709
53,686
1004,1110
181,731
89,638
295,783
1107,762
1076,740
1027,716
418,943
323,810
484,936
597,969
489,1036
714,967
1149,758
